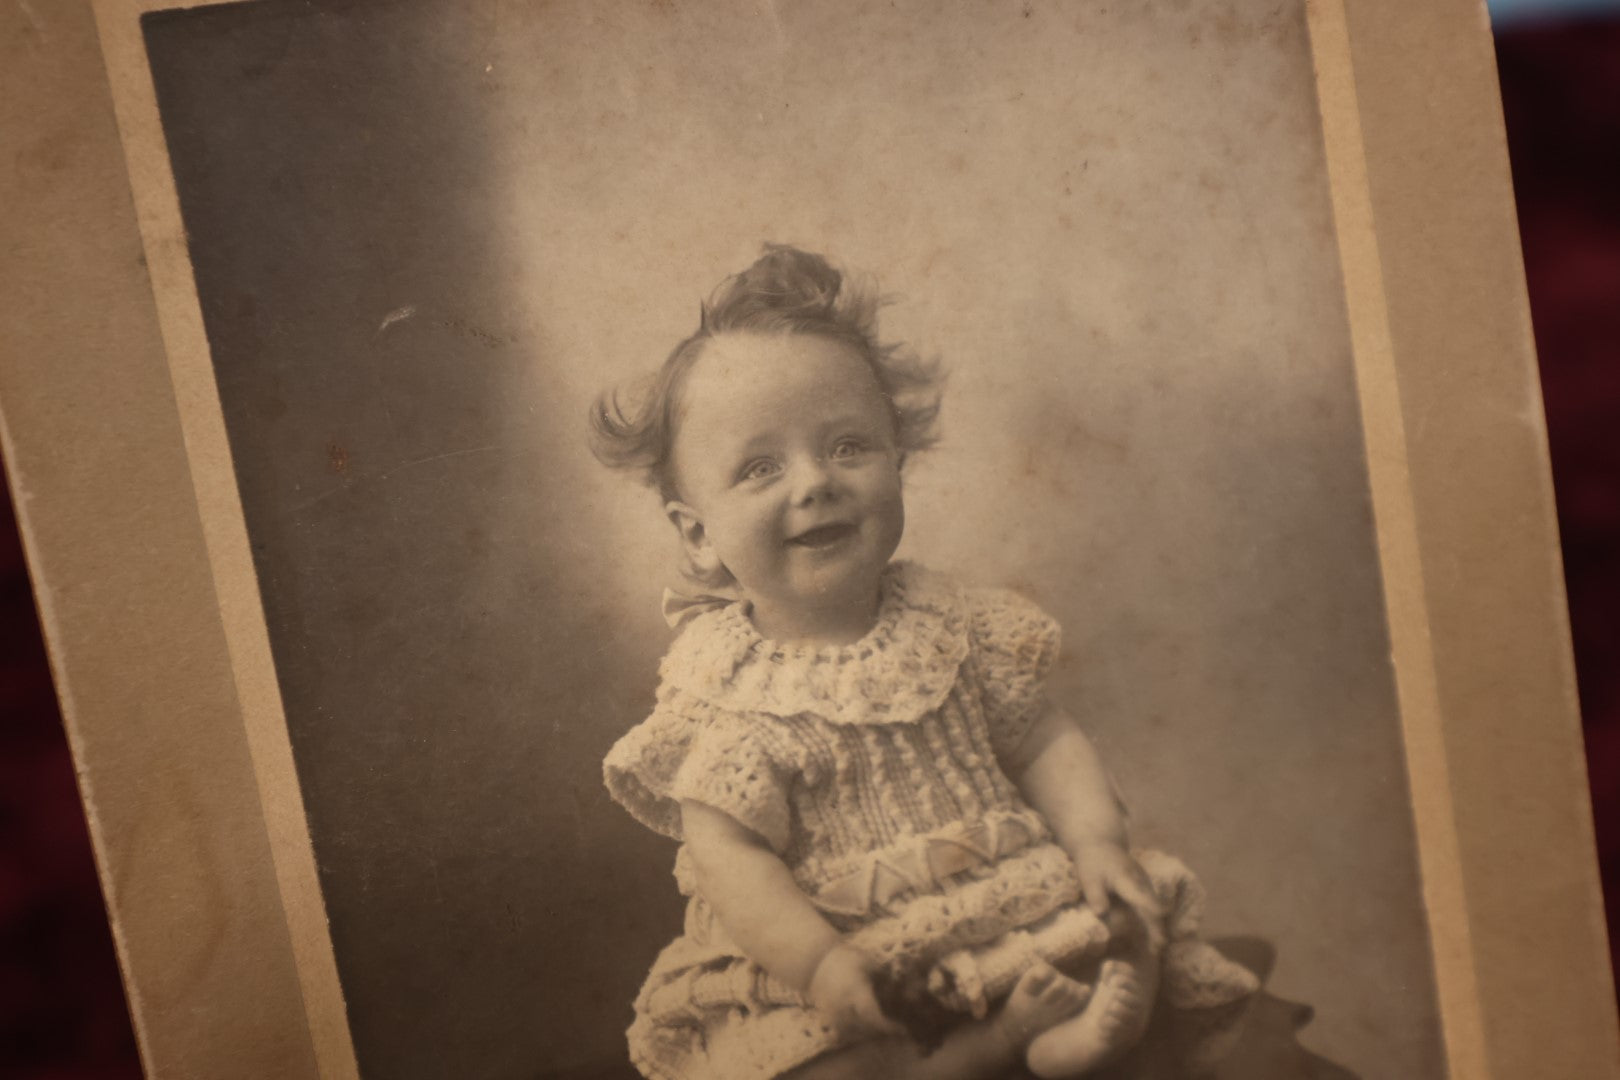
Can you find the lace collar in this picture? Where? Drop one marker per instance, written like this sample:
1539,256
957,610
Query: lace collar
898,673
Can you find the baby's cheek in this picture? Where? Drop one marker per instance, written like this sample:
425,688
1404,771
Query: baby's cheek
891,503
764,542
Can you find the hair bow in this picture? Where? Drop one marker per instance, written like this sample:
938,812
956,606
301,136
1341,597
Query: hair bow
682,607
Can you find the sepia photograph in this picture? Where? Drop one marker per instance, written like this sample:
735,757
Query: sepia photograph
798,541
932,337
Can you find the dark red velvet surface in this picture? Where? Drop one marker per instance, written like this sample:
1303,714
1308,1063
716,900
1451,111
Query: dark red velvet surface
62,1015
1561,93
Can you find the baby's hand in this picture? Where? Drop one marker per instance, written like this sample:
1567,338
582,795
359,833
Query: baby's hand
1107,870
841,989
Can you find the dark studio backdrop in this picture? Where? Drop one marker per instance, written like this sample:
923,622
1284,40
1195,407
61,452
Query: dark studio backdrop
505,870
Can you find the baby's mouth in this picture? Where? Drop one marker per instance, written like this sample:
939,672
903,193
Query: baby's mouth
823,535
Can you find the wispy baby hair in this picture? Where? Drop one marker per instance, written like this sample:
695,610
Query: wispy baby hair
786,291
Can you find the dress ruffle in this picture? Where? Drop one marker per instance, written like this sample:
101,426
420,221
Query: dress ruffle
707,1011
1015,645
899,672
687,750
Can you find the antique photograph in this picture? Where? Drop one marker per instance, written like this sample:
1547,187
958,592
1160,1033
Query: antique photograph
911,455
802,541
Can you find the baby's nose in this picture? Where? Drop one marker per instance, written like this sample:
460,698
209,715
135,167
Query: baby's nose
813,480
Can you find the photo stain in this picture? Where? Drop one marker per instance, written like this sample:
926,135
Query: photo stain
337,458
57,152
484,337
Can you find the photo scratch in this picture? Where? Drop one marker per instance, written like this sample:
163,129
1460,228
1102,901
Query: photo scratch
396,316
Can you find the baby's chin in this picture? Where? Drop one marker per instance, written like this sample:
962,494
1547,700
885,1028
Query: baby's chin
851,579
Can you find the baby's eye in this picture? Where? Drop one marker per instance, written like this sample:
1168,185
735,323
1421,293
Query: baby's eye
845,448
757,469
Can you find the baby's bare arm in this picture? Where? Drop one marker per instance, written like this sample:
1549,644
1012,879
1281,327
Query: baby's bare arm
1060,774
754,895
775,924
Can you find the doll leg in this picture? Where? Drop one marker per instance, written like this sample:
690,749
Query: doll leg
1117,1015
979,1050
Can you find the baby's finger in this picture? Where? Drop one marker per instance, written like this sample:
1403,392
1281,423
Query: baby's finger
1156,934
1153,923
1134,887
1094,886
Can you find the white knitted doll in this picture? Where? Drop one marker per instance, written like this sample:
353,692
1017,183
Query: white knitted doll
902,860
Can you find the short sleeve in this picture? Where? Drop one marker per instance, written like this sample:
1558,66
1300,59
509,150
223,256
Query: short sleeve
719,759
1015,644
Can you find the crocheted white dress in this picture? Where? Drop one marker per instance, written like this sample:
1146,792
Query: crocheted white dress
871,769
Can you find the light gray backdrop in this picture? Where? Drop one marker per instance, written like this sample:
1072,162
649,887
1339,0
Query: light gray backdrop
426,234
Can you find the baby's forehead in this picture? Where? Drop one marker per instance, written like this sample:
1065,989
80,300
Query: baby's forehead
748,379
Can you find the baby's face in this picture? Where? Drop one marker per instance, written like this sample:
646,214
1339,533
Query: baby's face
785,454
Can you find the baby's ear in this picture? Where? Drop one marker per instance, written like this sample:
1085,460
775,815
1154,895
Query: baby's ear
694,538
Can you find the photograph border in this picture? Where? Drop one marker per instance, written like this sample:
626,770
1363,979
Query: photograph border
118,461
